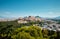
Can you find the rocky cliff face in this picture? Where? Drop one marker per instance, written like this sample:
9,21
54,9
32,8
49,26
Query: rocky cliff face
27,19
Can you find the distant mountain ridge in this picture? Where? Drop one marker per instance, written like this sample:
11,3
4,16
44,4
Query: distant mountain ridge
57,17
6,18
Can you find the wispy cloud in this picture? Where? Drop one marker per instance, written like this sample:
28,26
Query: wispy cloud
7,13
50,12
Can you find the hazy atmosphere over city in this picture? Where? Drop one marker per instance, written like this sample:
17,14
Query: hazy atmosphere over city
21,8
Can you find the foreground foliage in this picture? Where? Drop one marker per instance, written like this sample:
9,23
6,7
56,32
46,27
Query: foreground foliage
14,31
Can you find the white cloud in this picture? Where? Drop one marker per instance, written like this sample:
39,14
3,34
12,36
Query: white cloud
50,13
7,13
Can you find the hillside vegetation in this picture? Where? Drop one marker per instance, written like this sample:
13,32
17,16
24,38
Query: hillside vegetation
13,30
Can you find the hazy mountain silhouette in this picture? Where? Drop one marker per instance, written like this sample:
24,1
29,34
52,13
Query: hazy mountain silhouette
57,17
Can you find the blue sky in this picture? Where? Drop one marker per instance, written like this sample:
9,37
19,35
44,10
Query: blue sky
21,8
